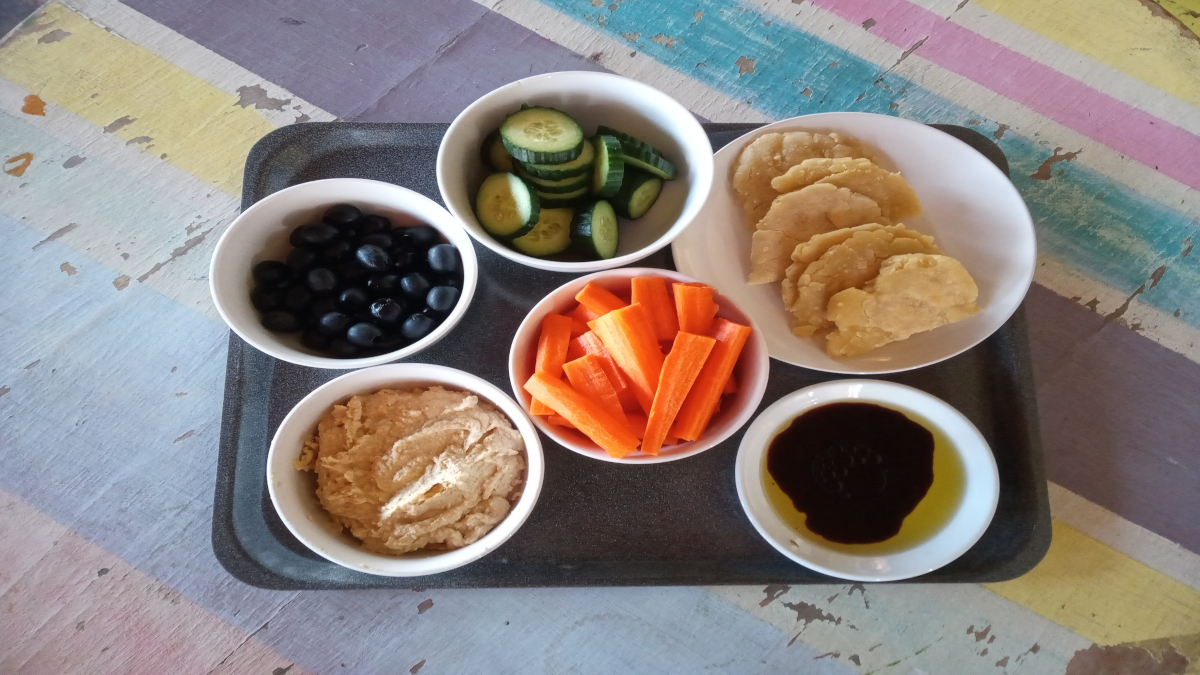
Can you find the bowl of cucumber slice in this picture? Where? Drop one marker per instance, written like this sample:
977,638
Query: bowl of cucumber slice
575,171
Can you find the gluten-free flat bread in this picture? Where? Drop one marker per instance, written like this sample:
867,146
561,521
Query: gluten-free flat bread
896,199
912,293
770,255
817,209
770,155
836,261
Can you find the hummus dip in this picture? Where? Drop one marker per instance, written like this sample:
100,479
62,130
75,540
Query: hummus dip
423,468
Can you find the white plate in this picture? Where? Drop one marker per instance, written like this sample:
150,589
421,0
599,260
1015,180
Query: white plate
966,526
970,207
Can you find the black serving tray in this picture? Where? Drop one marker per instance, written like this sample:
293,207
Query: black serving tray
595,523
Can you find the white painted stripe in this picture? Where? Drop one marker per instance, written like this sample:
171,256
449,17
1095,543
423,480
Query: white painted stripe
1106,527
968,94
199,61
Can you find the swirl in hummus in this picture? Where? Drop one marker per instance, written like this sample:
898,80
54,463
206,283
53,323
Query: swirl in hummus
423,468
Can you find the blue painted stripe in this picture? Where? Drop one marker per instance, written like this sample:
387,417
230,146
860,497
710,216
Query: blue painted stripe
1106,230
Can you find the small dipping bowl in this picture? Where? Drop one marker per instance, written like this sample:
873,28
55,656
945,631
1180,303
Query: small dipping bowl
294,493
964,526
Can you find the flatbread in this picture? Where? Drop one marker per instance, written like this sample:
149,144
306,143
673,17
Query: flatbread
812,170
817,209
770,255
895,197
912,293
833,262
770,155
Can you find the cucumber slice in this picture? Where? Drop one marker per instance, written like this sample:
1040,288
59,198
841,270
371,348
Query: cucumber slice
638,192
641,154
552,200
505,206
594,230
551,234
494,154
580,166
542,136
570,184
609,167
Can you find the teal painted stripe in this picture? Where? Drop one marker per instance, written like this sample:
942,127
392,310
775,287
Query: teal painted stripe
1110,232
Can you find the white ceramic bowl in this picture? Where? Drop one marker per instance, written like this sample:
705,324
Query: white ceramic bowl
294,492
261,233
970,207
592,99
965,527
751,371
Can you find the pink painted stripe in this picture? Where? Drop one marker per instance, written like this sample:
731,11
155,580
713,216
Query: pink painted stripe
1135,133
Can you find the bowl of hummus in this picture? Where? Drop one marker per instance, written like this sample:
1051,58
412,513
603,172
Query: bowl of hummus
405,469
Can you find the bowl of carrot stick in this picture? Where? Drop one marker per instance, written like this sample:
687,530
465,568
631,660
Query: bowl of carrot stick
638,366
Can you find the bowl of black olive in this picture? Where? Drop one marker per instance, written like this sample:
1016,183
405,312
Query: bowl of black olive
343,273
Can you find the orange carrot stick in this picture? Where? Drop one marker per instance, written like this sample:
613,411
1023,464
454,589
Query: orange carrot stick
629,337
680,369
588,416
637,423
584,314
558,421
705,396
536,407
599,299
575,348
593,345
670,440
695,307
578,327
552,345
586,376
651,292
730,384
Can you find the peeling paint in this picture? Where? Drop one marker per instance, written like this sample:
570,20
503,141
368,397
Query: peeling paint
417,667
102,571
908,52
19,164
119,123
186,436
1120,311
176,254
773,592
290,21
1126,660
1157,276
1044,171
32,365
980,635
121,282
256,96
696,17
665,40
55,235
139,140
56,35
745,65
809,613
425,606
34,105
4,390
70,270
73,161
632,37
868,24
1000,129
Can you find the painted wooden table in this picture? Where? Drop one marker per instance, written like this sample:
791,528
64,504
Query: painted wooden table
123,129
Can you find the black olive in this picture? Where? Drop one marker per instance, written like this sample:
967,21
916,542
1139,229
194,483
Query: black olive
301,259
352,298
424,235
387,310
341,214
381,285
321,280
453,282
281,321
444,258
266,299
402,259
351,272
373,258
297,298
333,323
381,239
272,273
403,239
442,298
417,326
415,285
313,234
372,224
340,348
389,341
315,340
338,250
323,305
363,334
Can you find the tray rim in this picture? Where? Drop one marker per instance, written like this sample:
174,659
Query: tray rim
233,555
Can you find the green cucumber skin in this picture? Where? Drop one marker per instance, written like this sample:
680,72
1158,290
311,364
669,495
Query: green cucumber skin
580,166
583,230
641,154
609,167
634,180
660,168
554,187
552,155
540,249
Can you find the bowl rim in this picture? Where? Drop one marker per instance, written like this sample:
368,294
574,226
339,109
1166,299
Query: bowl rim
688,127
829,121
692,447
449,226
417,374
969,443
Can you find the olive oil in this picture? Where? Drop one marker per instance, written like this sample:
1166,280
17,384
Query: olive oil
860,437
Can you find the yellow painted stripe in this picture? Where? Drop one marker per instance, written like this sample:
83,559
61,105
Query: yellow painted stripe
1103,595
1187,11
1123,34
140,97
